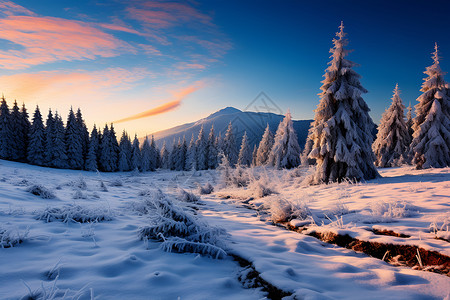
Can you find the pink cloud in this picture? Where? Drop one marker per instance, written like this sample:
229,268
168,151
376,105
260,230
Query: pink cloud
9,8
48,39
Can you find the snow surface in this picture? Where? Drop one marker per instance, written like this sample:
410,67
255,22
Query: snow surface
109,260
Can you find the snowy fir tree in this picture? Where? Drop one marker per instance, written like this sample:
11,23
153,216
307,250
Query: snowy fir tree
154,155
58,156
213,152
5,131
25,133
229,146
264,148
409,123
146,155
342,128
109,150
84,133
254,155
201,146
431,138
182,152
164,157
49,134
136,158
36,140
191,162
285,152
74,142
392,143
91,163
17,133
245,153
124,153
115,147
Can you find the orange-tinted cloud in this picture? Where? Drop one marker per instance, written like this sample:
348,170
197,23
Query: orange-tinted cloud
166,107
9,8
48,39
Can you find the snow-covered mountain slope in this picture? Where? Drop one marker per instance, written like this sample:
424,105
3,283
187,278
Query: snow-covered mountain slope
108,260
253,123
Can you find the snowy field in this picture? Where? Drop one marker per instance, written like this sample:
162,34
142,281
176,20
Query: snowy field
107,259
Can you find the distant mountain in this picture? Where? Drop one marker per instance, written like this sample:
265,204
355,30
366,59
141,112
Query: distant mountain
254,123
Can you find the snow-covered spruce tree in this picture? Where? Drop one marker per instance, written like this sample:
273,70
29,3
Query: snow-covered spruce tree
409,123
146,155
342,128
254,155
191,163
136,158
74,142
202,151
229,146
91,163
285,152
264,148
5,131
124,153
173,156
17,137
154,155
84,134
109,150
58,157
36,140
164,157
431,138
213,152
49,134
25,132
391,146
245,154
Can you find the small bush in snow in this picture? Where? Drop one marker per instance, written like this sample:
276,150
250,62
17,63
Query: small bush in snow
186,196
41,191
116,182
10,237
440,228
282,210
392,209
80,183
79,195
261,186
179,230
206,189
103,187
338,209
75,213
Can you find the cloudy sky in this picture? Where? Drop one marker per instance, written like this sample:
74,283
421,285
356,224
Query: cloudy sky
151,65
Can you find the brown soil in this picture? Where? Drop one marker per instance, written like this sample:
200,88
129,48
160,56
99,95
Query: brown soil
390,233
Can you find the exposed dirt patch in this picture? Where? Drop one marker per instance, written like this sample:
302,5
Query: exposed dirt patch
390,233
398,255
251,278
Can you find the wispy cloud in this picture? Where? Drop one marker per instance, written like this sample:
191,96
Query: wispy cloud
47,39
177,98
8,8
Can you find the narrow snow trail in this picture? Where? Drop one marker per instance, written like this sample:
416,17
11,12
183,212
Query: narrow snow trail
315,270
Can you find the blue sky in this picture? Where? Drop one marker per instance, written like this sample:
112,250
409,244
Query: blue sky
179,61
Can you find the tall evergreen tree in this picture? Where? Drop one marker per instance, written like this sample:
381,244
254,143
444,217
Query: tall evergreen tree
392,143
213,152
74,142
49,138
431,137
245,154
264,148
136,159
84,134
173,156
229,146
409,123
254,155
91,163
115,148
6,141
25,132
146,155
191,162
109,150
182,150
201,146
154,155
17,137
164,157
285,152
124,153
58,156
36,140
342,128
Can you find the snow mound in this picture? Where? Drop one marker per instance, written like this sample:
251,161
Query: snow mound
10,236
205,189
75,213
